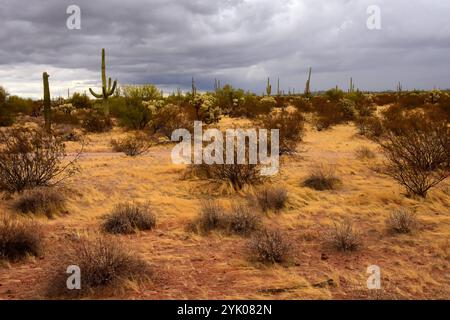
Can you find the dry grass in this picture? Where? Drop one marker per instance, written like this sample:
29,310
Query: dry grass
105,265
274,198
46,201
269,246
322,178
127,218
19,239
364,152
243,220
402,221
344,237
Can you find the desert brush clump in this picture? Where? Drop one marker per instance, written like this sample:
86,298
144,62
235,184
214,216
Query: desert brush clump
322,178
128,218
344,237
106,266
290,125
46,201
19,239
270,246
364,152
132,145
273,198
402,221
417,153
242,220
31,158
212,216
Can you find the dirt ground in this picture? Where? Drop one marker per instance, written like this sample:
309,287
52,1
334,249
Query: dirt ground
217,266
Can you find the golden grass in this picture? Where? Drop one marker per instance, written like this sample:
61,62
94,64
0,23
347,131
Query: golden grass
217,266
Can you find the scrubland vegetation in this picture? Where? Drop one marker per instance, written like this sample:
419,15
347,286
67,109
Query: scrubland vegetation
363,181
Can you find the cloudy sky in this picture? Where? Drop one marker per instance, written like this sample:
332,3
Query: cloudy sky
241,42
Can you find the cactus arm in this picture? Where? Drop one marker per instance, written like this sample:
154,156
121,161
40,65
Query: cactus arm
111,90
98,96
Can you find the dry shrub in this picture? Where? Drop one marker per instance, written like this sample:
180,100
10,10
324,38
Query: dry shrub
290,125
269,246
370,127
169,118
322,178
105,264
31,158
97,121
402,221
364,152
272,198
133,145
127,218
47,201
19,239
243,221
343,237
418,153
212,216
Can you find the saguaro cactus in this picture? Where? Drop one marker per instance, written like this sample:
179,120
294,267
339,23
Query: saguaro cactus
107,89
194,88
278,87
268,87
308,84
352,86
47,103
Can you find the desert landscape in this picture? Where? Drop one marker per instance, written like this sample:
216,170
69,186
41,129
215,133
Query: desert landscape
224,150
350,216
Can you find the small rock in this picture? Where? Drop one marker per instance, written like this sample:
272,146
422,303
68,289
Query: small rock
323,256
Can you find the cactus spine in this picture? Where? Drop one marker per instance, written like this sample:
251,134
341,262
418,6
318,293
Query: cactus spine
308,84
47,103
107,89
269,88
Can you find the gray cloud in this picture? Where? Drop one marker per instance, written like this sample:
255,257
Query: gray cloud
166,42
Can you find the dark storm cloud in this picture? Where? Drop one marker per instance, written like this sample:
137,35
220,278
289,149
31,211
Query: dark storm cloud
238,41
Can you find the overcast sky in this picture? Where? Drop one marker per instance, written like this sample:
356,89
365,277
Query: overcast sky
241,42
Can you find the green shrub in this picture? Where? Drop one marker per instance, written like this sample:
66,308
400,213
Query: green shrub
80,101
132,145
97,121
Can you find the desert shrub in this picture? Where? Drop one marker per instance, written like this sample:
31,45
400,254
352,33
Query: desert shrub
267,104
19,239
146,92
45,201
105,264
343,237
411,100
19,105
6,115
301,104
32,158
392,119
212,216
80,101
243,220
272,198
167,119
127,218
370,127
382,99
335,95
402,221
135,115
97,121
229,100
322,178
364,153
418,154
250,107
346,109
132,145
290,125
269,246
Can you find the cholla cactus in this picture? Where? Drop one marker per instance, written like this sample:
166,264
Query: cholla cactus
206,108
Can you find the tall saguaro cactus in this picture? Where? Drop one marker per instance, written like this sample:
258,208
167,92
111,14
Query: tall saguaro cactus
107,89
268,87
47,103
352,86
308,84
